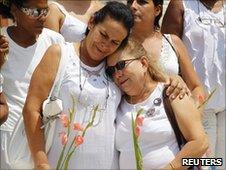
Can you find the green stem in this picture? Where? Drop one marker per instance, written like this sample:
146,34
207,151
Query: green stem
68,159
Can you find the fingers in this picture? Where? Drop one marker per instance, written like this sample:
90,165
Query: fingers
4,44
177,87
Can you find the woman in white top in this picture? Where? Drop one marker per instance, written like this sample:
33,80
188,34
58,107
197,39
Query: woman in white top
201,26
27,42
84,79
67,21
168,49
137,76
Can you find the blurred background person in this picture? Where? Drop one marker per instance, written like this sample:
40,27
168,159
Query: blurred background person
167,49
201,26
26,42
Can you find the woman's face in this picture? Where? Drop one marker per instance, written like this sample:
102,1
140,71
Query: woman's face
104,38
144,11
130,77
31,16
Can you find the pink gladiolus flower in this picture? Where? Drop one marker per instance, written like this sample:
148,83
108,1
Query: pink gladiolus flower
64,119
201,98
137,131
78,140
139,120
78,127
64,138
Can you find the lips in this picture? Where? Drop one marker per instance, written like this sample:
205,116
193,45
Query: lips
123,82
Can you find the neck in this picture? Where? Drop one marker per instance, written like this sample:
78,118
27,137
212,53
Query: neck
143,93
210,4
142,33
21,37
85,57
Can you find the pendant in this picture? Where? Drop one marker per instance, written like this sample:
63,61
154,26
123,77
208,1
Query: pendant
157,101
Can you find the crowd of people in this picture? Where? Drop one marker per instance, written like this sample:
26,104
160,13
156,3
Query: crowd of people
117,57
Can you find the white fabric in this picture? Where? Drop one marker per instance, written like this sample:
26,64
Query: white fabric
98,150
17,71
206,46
157,140
72,29
168,59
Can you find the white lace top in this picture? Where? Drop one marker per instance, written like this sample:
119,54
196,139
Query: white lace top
206,46
89,87
168,60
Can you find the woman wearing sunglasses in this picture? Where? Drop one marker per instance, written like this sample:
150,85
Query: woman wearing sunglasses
84,79
168,49
26,42
201,26
137,76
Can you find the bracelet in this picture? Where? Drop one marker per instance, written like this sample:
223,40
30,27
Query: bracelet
171,165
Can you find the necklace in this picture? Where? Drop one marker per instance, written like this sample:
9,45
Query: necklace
88,74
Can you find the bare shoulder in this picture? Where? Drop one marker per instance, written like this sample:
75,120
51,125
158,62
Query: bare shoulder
176,4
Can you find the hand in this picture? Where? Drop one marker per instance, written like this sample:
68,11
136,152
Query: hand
4,44
4,48
176,87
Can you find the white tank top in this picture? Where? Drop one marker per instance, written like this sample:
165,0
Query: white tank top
90,88
18,69
206,46
168,60
72,29
157,140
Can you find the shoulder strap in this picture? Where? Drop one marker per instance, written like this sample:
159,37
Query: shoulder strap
172,119
170,44
60,73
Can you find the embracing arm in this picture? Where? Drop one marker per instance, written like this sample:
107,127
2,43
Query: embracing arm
188,73
3,108
55,18
173,19
190,124
40,86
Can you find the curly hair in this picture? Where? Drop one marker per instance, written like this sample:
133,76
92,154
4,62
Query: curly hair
5,6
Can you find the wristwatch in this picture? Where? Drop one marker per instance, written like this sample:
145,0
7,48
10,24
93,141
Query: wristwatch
1,83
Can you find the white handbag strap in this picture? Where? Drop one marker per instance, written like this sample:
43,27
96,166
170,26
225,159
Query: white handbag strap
60,73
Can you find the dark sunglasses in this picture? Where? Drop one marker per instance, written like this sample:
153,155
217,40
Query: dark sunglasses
110,70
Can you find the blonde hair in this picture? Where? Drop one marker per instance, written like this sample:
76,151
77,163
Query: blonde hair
136,50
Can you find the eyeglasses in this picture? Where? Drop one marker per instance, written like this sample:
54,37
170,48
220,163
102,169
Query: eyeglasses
110,70
35,12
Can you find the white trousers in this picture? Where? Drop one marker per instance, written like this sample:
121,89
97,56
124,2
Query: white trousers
214,124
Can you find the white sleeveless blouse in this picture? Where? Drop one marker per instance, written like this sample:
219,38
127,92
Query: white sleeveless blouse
157,141
206,46
72,29
89,87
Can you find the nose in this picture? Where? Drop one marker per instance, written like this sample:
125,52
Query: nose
105,46
117,74
134,5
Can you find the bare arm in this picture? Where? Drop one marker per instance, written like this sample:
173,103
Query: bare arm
190,124
55,18
188,73
40,86
3,109
173,19
4,48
